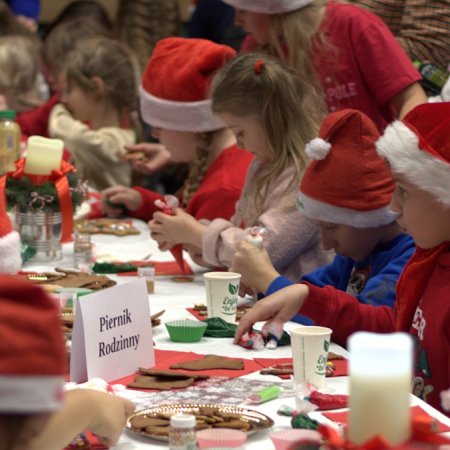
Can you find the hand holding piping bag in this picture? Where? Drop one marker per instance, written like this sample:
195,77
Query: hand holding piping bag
168,207
256,236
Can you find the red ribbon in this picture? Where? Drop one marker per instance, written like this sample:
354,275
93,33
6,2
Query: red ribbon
423,429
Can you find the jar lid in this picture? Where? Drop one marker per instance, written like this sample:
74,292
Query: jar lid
182,421
8,114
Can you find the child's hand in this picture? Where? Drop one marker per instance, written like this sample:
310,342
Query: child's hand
278,307
122,197
254,265
111,413
147,158
181,228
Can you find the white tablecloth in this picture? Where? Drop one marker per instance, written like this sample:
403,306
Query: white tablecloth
174,298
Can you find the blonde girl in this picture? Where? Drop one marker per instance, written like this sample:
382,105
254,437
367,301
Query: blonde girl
95,116
21,81
273,115
173,96
347,51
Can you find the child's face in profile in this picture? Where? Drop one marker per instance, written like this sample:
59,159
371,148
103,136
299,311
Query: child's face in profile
257,24
421,215
250,135
181,144
78,102
354,243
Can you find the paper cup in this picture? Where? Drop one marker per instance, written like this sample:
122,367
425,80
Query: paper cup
222,292
309,353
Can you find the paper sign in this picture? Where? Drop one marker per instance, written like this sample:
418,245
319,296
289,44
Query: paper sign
112,333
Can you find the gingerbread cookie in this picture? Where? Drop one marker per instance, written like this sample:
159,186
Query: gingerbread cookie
73,279
147,382
210,362
116,227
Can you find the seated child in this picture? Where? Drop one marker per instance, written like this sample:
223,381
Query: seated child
100,89
417,150
56,46
346,192
20,77
273,114
179,111
35,413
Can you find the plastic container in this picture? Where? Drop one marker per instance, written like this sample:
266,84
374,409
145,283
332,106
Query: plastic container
220,438
380,384
9,141
69,296
83,252
181,433
186,330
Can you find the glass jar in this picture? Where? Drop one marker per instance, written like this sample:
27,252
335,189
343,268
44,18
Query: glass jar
83,252
9,141
182,432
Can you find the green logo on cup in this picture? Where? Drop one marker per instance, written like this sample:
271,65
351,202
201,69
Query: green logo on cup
326,345
230,303
232,288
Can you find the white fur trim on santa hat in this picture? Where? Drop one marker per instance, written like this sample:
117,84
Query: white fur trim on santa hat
325,212
10,260
30,394
180,116
399,145
317,149
269,6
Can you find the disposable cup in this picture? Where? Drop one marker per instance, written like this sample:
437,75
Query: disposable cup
222,292
309,353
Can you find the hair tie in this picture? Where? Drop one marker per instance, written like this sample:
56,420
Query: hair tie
259,65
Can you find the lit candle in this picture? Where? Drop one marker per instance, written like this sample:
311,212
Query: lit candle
380,384
43,155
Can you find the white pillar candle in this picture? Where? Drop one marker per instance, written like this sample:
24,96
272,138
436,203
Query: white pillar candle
380,384
43,155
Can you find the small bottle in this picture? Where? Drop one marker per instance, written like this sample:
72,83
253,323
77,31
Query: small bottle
83,252
182,432
434,78
148,273
9,141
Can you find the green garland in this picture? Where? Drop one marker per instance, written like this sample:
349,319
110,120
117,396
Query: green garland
20,192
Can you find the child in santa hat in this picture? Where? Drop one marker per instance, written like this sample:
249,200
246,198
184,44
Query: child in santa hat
35,413
347,52
346,191
273,115
174,101
417,150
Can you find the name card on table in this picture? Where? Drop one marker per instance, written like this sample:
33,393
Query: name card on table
112,333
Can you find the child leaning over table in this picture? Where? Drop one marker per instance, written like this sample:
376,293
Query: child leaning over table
35,414
345,191
418,152
273,114
100,89
179,111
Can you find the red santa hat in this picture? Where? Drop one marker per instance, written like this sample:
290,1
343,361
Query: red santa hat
347,182
10,260
269,6
176,81
32,362
418,148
